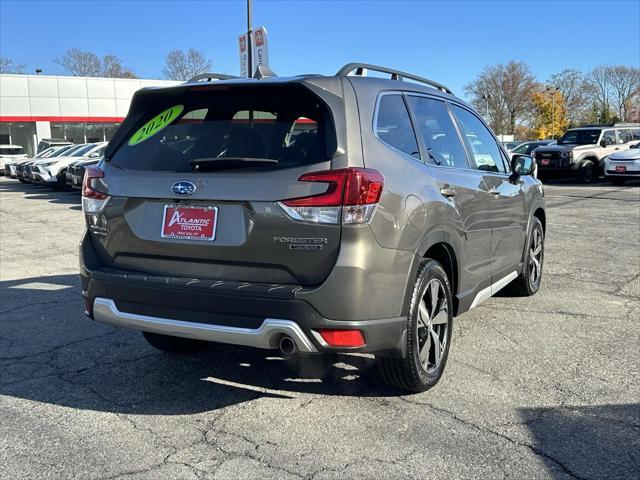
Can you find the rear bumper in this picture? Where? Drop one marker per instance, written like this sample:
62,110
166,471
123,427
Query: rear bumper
241,313
267,335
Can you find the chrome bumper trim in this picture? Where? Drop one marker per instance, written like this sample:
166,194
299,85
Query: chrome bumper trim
266,336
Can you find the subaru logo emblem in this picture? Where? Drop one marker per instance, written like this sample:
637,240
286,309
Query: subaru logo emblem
183,187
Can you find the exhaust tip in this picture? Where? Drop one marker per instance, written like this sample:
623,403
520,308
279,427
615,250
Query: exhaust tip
287,345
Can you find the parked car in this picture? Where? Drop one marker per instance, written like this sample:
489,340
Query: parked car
51,172
10,168
75,172
369,233
46,143
581,151
25,169
10,153
527,148
622,166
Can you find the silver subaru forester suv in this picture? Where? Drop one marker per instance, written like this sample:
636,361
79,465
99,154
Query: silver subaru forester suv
310,214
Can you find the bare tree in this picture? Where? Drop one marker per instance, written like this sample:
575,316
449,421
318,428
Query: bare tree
9,66
508,88
112,68
80,64
181,65
88,64
573,86
625,85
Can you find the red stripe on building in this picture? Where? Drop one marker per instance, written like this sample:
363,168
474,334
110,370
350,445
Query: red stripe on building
61,119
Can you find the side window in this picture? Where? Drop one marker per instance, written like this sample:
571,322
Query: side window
636,133
609,137
486,153
393,125
438,132
625,135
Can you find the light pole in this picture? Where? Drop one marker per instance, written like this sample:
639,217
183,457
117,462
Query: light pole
553,91
249,43
486,97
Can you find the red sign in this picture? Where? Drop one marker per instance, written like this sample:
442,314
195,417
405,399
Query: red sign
259,38
243,43
189,222
546,161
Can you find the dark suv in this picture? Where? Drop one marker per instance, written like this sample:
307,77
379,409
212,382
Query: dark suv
325,214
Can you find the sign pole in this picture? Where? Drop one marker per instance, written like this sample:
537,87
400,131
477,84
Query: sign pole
249,42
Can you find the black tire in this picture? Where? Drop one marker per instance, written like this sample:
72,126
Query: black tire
618,181
171,344
413,373
528,282
588,172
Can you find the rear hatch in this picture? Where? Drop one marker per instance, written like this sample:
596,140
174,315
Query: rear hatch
196,173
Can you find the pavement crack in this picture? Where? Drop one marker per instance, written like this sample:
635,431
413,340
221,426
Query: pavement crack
532,448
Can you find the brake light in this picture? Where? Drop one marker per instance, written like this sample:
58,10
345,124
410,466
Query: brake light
351,196
342,338
93,200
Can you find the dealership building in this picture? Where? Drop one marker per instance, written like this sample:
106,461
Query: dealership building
79,109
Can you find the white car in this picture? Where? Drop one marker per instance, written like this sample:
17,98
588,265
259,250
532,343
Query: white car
622,166
52,171
10,153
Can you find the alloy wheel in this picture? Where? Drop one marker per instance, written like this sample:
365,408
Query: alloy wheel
535,258
433,325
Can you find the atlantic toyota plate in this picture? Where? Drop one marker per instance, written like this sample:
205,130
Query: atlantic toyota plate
191,222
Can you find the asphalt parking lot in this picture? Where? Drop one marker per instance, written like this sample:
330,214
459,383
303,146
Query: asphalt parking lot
541,387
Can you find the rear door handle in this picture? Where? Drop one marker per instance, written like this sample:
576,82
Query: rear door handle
448,192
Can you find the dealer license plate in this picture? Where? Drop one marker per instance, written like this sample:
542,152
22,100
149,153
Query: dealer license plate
189,222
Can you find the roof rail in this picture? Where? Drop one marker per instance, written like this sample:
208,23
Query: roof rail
211,76
395,74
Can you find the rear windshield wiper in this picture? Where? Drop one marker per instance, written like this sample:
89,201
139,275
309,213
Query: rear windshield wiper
230,162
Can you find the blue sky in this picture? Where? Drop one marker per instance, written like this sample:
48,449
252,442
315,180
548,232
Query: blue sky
450,42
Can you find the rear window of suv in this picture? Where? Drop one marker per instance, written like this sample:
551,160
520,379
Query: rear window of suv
226,127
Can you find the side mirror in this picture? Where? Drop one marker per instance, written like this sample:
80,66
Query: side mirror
94,155
522,165
603,143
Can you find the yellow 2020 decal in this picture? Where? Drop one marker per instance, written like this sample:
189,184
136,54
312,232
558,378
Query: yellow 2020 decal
156,124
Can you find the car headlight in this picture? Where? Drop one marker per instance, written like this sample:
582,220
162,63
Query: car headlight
565,154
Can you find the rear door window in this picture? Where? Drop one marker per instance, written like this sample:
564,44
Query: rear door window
393,125
439,134
221,128
484,148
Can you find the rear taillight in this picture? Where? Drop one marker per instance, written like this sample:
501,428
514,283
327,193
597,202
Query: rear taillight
351,197
93,199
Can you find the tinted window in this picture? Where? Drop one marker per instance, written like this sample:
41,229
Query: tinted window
609,137
636,133
625,136
393,125
438,132
11,150
217,129
580,137
483,146
524,148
